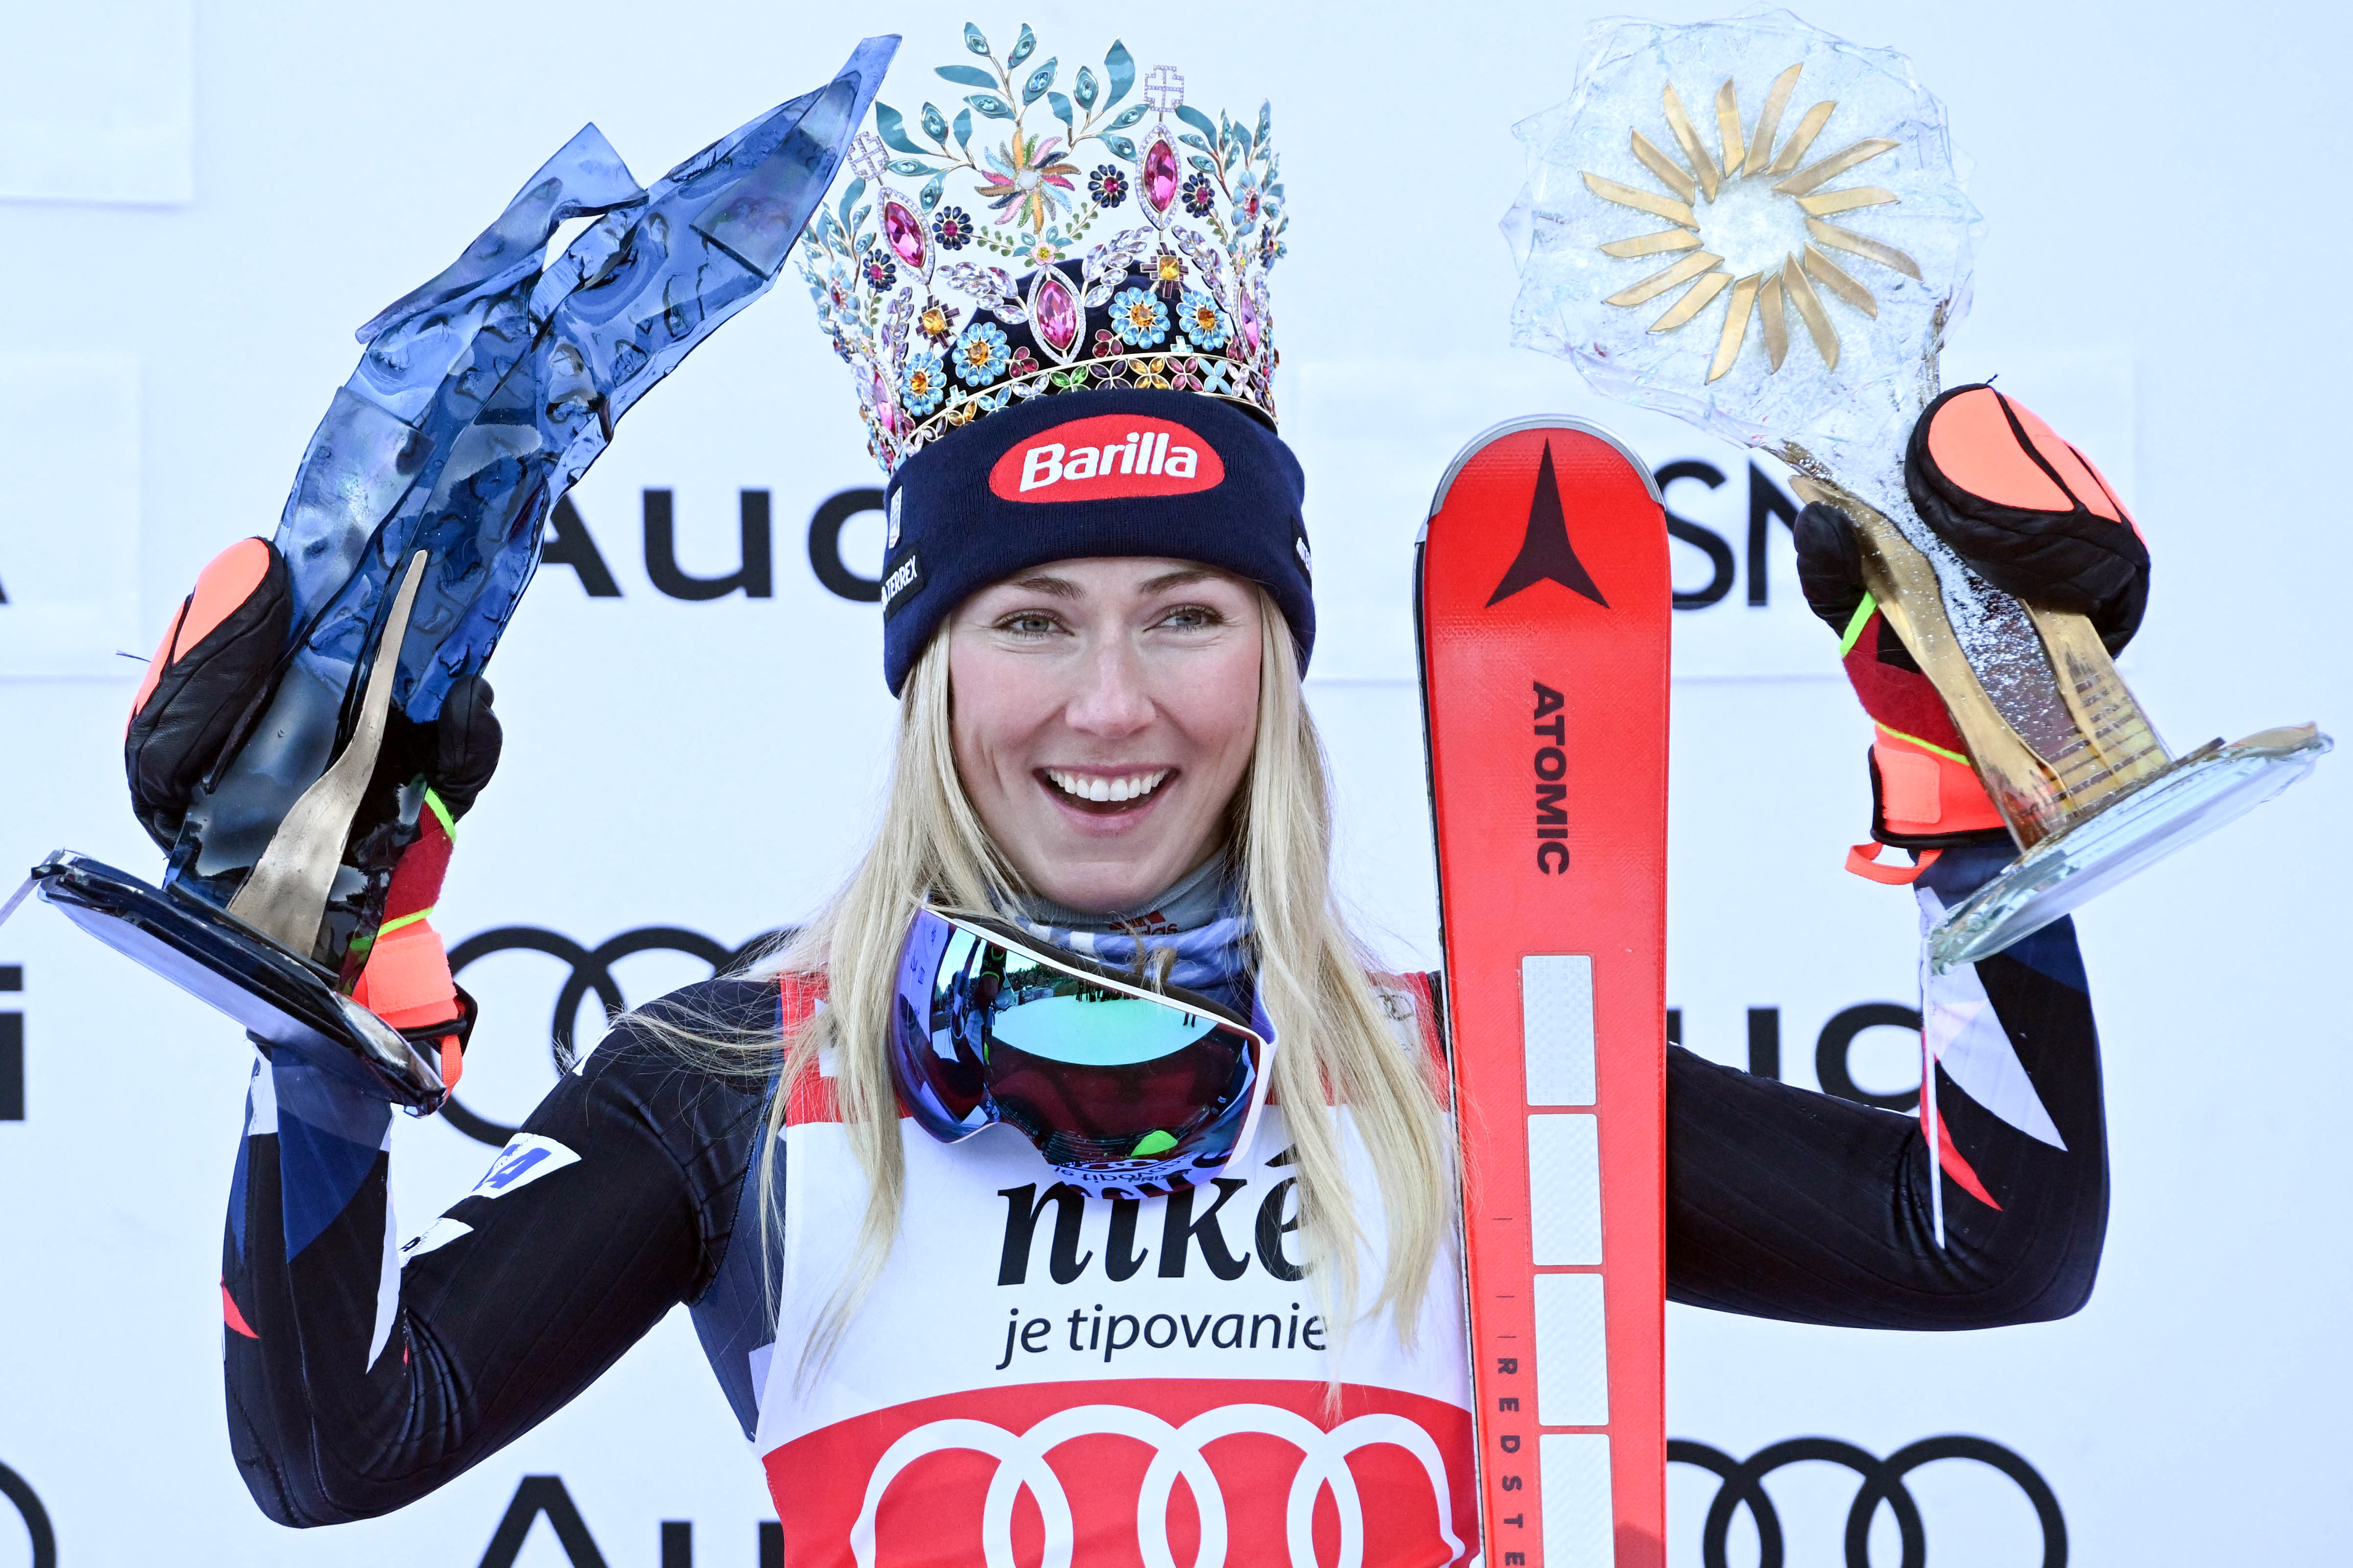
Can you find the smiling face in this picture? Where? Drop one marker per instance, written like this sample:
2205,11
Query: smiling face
1104,715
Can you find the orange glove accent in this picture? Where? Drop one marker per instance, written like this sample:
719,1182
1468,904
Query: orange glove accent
2026,512
1975,445
406,982
1926,790
227,582
405,976
1863,860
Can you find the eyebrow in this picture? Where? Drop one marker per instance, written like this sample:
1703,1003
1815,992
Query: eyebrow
1064,588
1178,579
1052,587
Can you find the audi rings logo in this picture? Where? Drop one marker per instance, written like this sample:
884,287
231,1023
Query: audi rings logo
591,973
1022,1466
1883,1483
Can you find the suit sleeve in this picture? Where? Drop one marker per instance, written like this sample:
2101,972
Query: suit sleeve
1782,1203
360,1376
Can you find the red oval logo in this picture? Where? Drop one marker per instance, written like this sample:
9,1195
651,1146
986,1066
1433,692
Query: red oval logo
1106,457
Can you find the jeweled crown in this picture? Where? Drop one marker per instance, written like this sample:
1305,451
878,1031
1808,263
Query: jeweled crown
1176,303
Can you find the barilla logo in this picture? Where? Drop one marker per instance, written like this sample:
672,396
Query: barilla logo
1107,457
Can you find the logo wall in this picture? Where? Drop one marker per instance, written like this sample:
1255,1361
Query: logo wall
572,545
1113,456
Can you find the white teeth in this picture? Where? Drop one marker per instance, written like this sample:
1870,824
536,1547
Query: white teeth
1133,787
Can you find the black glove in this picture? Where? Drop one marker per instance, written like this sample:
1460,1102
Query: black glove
215,666
456,752
2026,512
216,670
2029,514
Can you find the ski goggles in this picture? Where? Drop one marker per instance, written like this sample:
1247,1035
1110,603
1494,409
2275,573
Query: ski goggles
1127,1091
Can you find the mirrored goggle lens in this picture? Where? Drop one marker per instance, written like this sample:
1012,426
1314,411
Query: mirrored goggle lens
1094,1069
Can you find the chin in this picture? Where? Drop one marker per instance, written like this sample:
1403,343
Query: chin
1107,889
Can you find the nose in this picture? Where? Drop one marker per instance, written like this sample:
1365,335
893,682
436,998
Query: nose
1112,701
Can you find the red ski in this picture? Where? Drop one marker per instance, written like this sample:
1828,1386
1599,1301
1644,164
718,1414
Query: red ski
1542,605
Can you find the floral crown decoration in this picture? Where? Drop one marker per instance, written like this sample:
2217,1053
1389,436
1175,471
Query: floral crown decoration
1178,302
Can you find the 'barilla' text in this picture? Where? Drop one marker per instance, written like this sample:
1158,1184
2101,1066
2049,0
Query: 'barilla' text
1149,454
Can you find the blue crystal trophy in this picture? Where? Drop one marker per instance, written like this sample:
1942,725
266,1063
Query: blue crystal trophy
414,526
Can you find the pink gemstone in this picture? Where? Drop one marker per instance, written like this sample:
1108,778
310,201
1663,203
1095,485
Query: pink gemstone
1160,174
904,230
1056,312
1246,313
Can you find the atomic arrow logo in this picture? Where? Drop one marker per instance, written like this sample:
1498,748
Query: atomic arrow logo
1545,554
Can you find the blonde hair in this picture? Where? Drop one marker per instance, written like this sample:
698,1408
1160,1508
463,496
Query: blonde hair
1337,1046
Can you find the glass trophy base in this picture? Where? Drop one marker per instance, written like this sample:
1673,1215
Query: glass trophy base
2198,794
285,1002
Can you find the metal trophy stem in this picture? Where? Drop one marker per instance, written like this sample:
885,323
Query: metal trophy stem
2089,790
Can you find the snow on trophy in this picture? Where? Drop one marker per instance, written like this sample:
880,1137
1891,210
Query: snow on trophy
1771,243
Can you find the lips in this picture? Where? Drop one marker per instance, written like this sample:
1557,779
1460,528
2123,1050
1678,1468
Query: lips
1104,792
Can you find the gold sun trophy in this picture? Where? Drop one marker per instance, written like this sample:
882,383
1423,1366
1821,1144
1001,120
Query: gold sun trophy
1848,225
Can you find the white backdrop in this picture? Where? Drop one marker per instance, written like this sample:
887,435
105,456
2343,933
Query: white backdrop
198,204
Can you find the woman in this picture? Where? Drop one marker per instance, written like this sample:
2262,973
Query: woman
1097,612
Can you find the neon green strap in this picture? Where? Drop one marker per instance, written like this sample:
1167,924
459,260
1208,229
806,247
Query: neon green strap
1927,745
389,927
1854,626
449,823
